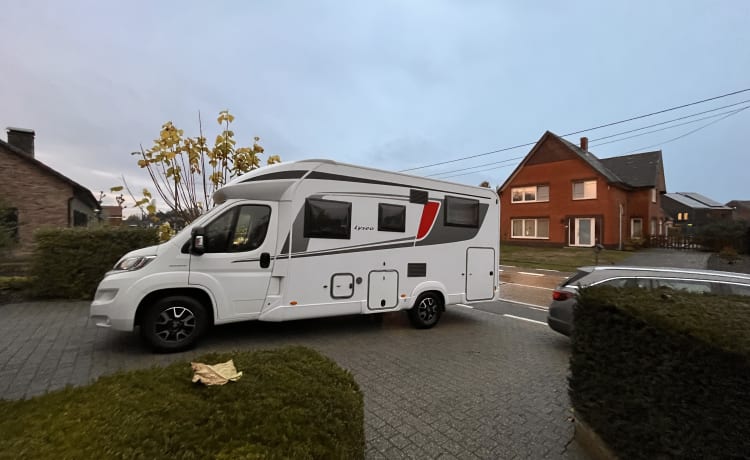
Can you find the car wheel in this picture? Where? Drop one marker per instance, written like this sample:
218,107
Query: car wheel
174,323
426,311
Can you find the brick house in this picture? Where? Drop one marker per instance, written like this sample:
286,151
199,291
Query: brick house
741,210
690,209
563,195
36,194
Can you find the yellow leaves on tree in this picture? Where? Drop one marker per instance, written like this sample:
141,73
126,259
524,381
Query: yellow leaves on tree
186,171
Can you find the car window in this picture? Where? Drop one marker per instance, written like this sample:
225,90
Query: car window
739,289
617,282
573,280
701,287
628,283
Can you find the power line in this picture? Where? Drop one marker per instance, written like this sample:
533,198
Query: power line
615,135
670,121
472,167
735,112
474,172
584,130
726,115
669,127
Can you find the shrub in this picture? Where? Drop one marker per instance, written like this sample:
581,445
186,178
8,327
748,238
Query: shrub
721,234
69,263
663,376
289,403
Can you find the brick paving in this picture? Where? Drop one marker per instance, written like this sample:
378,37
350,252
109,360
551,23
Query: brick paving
478,386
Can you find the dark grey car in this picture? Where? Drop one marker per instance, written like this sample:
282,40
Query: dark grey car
564,297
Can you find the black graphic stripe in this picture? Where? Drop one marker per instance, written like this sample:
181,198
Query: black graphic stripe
338,177
295,174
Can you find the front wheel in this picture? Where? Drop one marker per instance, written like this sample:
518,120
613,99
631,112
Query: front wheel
426,311
174,323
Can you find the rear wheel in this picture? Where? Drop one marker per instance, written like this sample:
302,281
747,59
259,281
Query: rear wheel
174,323
426,311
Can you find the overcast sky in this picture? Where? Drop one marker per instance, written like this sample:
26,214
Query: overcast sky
389,84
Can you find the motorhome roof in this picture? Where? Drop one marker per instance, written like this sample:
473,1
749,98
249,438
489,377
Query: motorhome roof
314,164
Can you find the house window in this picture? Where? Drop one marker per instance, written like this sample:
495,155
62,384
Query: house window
534,193
584,190
530,228
652,227
682,216
636,228
391,218
461,212
80,219
9,223
653,195
328,219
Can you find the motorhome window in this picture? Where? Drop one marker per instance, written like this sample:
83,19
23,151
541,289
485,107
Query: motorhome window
238,230
217,232
250,229
328,219
391,218
461,212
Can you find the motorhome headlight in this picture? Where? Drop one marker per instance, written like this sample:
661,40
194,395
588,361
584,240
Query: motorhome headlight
133,263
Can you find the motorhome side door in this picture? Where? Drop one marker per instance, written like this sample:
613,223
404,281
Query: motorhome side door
238,259
480,273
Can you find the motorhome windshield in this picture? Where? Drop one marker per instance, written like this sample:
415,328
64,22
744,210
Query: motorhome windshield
203,218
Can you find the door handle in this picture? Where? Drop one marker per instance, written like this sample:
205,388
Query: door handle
265,260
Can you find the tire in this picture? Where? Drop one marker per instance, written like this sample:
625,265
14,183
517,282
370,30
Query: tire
426,311
174,323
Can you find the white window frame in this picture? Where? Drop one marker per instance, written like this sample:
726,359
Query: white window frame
653,195
523,227
524,190
632,221
589,189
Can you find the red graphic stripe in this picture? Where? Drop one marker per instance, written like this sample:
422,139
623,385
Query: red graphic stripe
429,213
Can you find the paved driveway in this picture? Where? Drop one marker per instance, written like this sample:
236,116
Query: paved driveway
479,385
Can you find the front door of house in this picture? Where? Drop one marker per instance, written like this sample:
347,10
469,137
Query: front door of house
585,230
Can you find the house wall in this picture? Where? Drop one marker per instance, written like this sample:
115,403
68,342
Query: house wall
561,207
40,198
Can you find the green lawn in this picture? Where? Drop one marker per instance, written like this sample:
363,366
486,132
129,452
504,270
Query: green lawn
564,259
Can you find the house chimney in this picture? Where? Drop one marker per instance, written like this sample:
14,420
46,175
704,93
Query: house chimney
22,139
585,144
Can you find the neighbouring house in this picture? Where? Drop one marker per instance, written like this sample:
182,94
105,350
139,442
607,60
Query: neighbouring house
689,209
741,209
36,195
112,215
562,194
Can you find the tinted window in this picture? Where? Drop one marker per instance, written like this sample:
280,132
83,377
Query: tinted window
461,212
703,287
391,218
739,289
328,219
240,229
573,280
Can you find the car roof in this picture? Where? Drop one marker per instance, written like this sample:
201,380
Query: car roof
614,271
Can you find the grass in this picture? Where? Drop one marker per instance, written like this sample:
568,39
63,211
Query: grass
289,403
564,259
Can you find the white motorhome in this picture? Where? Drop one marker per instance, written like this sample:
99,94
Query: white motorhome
310,239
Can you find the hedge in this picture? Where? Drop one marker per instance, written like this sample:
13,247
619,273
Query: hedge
663,375
69,263
289,403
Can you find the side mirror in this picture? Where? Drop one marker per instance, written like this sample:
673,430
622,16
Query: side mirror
197,244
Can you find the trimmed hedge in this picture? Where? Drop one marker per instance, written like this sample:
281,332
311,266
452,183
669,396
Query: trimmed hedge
68,263
290,403
663,375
